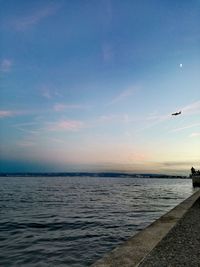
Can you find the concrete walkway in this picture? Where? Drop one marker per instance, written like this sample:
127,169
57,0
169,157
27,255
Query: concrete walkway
173,241
181,246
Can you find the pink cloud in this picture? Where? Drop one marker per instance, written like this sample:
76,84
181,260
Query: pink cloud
139,156
6,113
61,107
66,125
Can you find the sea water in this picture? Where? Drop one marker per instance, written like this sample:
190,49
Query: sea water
73,221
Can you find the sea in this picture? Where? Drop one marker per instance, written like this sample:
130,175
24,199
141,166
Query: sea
73,221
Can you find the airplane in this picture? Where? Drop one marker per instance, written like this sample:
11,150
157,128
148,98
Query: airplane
176,113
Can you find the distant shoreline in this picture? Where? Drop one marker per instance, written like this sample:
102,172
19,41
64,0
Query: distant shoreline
92,174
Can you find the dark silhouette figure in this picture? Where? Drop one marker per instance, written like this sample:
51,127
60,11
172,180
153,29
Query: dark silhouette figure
193,171
176,113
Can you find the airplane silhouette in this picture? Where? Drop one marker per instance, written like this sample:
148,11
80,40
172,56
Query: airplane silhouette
176,113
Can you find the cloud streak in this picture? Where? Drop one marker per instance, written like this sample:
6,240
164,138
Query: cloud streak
121,118
193,108
123,95
7,113
185,127
26,144
195,134
61,107
46,93
24,23
30,132
66,125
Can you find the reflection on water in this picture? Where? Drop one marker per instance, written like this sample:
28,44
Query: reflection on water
73,221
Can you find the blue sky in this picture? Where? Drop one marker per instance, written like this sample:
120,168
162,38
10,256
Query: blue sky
91,85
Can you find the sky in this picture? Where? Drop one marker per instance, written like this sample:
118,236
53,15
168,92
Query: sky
91,85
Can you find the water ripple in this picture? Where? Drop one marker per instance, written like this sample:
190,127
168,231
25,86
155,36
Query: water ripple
72,221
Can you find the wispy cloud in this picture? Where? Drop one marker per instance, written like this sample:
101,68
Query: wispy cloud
6,113
195,134
26,143
185,127
143,122
115,118
157,117
30,132
6,65
66,125
23,23
152,120
56,140
61,107
193,108
46,93
124,94
176,164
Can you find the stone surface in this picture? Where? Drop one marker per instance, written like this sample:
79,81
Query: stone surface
181,246
133,252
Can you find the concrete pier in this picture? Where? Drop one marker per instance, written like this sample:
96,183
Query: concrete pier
172,240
